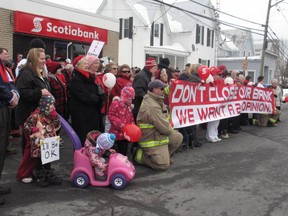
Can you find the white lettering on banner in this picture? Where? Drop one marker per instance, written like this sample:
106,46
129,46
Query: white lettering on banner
50,149
184,93
68,30
188,93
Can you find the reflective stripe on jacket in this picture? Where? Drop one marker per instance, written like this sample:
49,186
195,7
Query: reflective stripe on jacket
152,120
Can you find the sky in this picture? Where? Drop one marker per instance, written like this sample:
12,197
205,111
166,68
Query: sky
253,10
256,11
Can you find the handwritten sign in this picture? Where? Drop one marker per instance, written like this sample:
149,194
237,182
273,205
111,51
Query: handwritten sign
50,149
95,48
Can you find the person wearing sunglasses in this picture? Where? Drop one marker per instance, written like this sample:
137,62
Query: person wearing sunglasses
123,79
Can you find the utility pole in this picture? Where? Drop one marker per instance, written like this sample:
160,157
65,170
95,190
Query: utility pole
265,39
265,35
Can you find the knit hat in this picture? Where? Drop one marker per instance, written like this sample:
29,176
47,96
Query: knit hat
127,94
105,141
221,68
45,102
77,59
165,61
91,59
156,84
53,66
150,63
36,43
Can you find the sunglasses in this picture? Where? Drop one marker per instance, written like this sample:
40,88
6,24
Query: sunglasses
125,71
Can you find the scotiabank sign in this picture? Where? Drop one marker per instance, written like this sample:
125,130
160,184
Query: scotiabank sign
49,27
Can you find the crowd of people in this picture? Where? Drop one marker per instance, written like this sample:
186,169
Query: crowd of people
41,87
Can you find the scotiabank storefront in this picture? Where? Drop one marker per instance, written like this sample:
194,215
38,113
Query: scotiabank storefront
62,38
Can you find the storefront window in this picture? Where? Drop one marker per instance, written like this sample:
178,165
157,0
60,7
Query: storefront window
62,50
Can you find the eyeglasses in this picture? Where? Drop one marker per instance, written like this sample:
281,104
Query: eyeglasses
125,71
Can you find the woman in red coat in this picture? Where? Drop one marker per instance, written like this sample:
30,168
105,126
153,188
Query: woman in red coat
123,79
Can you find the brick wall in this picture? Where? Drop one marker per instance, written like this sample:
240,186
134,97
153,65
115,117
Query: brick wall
6,30
112,48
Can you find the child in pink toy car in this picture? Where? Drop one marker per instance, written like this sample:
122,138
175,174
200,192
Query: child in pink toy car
96,144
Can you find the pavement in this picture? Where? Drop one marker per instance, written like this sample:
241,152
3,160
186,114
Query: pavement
243,175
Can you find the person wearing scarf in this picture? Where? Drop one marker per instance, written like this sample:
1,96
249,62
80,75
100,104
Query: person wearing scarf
86,100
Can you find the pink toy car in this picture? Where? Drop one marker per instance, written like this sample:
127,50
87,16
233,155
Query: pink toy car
120,171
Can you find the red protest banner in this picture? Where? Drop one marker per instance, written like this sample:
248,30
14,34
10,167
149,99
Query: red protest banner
193,103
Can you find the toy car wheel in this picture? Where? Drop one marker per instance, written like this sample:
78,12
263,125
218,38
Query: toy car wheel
81,180
118,181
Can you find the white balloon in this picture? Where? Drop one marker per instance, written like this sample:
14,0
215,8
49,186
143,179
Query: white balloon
109,80
210,79
229,80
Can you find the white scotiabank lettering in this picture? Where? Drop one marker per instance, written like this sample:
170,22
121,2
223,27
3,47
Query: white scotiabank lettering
68,30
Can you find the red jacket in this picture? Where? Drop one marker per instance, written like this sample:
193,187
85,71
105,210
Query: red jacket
119,115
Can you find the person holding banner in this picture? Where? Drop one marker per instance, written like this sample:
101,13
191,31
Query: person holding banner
159,140
189,133
87,99
42,123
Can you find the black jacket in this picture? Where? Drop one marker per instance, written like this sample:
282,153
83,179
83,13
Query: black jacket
140,85
85,105
29,86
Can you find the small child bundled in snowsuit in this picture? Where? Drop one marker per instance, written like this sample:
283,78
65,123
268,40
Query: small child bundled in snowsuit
42,123
96,144
120,114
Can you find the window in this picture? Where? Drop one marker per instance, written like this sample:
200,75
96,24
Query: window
199,34
156,30
210,37
126,28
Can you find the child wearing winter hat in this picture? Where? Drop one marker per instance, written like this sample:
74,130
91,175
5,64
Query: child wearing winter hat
120,114
42,123
96,145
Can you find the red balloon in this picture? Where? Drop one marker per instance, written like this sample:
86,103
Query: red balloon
132,132
203,72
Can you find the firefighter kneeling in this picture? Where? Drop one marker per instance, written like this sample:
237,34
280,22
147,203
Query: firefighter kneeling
159,140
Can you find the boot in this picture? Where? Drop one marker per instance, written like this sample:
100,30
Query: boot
51,178
39,175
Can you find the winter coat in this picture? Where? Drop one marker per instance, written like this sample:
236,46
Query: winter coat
5,89
86,103
119,115
121,82
140,85
29,86
59,91
154,114
50,126
278,98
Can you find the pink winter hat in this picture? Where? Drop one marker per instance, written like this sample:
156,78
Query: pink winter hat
91,59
